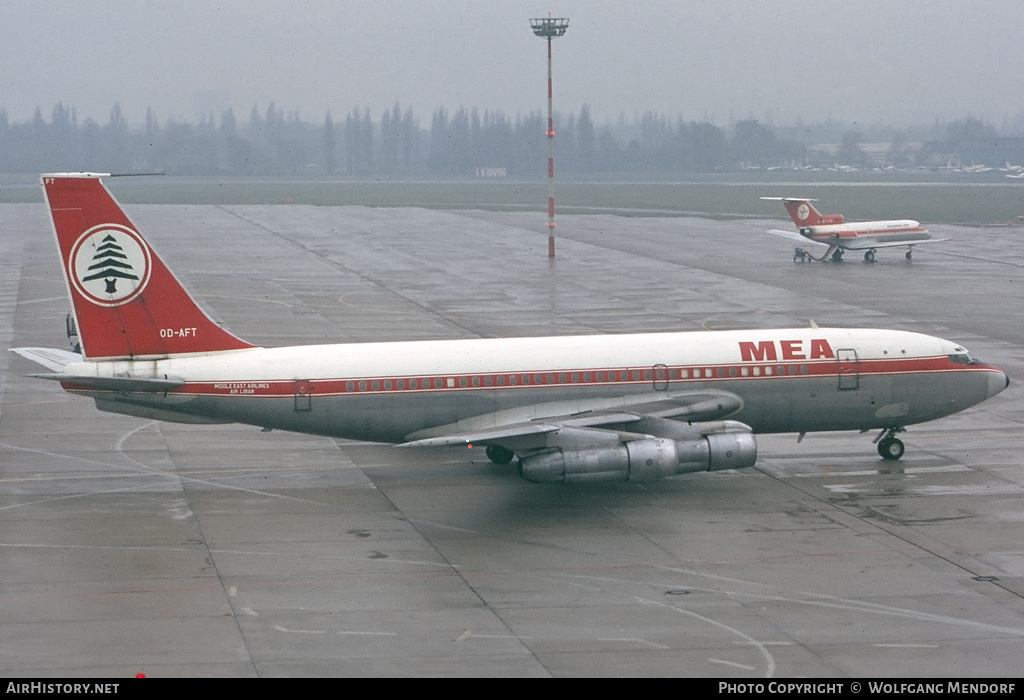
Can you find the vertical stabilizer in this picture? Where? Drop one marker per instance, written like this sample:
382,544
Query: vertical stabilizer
804,214
126,302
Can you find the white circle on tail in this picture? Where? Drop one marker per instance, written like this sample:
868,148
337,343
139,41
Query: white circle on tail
803,211
109,265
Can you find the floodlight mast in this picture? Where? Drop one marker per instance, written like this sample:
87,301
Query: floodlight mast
549,28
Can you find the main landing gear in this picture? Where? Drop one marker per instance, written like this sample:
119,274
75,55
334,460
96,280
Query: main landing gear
869,256
837,255
889,446
499,455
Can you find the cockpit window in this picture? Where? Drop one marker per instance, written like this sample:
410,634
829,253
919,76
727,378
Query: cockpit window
962,359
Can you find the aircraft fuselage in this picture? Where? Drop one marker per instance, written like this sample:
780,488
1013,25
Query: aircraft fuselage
866,233
790,380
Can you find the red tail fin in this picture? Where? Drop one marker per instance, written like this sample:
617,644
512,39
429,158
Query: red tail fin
127,303
803,213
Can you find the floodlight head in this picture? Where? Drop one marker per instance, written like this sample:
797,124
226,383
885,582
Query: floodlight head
548,27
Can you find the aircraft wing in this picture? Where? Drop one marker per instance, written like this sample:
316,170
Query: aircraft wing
664,417
867,243
794,236
520,434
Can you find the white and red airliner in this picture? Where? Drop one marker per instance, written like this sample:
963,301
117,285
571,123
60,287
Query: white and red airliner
832,231
578,408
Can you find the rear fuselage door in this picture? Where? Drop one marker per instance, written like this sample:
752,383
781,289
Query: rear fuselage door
303,395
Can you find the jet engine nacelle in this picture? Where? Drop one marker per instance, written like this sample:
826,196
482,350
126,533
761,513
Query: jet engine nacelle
642,460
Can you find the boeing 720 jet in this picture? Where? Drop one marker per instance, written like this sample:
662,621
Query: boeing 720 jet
832,231
566,409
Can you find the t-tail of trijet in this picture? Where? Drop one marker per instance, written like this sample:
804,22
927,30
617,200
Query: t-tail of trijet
804,214
126,302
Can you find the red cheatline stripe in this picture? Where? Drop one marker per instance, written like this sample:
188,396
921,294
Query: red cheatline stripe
678,375
881,233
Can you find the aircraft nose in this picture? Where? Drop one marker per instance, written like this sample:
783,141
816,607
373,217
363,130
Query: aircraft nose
997,381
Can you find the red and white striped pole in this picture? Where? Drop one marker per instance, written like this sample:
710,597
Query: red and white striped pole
549,28
551,162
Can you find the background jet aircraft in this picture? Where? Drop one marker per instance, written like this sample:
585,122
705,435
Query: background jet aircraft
575,408
830,230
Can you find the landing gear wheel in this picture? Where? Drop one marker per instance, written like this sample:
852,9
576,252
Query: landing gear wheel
909,255
869,256
499,454
890,448
837,256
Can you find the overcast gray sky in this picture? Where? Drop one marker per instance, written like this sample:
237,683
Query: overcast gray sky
898,62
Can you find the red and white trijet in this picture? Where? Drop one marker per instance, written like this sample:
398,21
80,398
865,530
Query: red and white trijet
830,230
578,408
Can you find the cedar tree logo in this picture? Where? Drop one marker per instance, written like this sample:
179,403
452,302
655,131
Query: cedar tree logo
109,265
803,211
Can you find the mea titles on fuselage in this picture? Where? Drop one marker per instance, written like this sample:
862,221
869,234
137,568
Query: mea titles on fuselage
765,350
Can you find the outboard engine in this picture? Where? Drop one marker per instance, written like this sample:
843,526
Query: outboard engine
643,459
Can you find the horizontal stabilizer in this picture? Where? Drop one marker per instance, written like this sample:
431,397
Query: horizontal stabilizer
115,383
50,358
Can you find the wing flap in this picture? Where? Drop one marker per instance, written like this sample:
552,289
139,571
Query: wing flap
483,437
523,430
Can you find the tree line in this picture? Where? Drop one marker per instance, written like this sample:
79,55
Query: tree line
468,142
